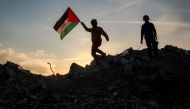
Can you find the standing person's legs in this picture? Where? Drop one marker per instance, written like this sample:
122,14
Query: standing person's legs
148,43
155,45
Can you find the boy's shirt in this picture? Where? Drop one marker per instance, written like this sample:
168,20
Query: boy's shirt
148,30
96,34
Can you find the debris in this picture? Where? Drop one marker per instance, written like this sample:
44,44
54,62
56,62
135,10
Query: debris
129,80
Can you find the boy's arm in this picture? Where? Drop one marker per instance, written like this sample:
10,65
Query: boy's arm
142,32
87,29
154,31
105,35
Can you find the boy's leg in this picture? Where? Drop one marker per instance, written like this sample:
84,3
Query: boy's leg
148,43
98,44
155,45
94,50
99,51
103,55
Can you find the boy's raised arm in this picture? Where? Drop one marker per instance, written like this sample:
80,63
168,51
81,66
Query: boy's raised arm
87,29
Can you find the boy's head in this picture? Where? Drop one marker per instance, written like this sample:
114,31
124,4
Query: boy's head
94,22
146,18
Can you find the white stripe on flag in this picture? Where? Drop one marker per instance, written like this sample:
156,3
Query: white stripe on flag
63,26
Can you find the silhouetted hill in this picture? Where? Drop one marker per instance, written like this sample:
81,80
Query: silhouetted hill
128,80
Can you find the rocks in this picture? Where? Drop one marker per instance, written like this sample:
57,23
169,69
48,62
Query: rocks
128,80
10,72
75,69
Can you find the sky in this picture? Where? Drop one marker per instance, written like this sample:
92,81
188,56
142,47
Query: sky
28,39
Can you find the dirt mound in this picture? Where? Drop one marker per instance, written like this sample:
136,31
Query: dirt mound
128,80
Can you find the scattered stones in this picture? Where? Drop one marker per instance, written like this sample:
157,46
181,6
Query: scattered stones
128,80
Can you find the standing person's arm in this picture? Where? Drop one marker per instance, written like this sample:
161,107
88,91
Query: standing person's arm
87,29
142,33
154,31
105,35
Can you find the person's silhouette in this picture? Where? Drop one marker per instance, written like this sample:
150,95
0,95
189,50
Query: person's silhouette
149,32
96,39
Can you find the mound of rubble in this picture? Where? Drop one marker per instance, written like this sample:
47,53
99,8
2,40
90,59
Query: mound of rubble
128,80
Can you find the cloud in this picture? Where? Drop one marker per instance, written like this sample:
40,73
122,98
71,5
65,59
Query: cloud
173,24
168,17
122,5
130,22
38,53
127,4
1,45
162,23
98,14
36,66
71,59
10,55
166,26
28,61
49,18
183,41
187,34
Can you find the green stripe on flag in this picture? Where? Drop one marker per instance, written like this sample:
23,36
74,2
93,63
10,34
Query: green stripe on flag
68,29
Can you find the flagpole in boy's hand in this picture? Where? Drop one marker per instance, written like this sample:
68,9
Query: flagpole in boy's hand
82,23
141,42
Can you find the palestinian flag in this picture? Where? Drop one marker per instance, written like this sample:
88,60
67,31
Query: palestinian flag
66,23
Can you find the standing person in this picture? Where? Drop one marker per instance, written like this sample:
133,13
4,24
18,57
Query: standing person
149,32
96,39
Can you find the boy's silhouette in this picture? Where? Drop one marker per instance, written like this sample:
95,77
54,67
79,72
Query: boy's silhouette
96,39
149,32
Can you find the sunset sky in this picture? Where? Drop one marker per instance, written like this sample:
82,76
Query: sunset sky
27,36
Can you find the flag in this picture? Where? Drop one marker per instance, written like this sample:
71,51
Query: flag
66,23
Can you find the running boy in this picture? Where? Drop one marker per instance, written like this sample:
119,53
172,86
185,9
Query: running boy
96,39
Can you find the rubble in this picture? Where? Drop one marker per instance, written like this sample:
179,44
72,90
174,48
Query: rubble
128,80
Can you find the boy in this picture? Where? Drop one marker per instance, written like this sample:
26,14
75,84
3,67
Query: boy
149,32
96,39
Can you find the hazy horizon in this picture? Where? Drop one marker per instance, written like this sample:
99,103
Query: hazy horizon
27,36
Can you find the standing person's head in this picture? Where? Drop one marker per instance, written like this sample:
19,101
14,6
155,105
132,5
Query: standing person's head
146,18
94,22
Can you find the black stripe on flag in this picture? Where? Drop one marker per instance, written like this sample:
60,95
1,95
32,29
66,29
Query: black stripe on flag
61,20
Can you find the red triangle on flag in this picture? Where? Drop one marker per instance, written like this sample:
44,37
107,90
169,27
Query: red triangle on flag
71,16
